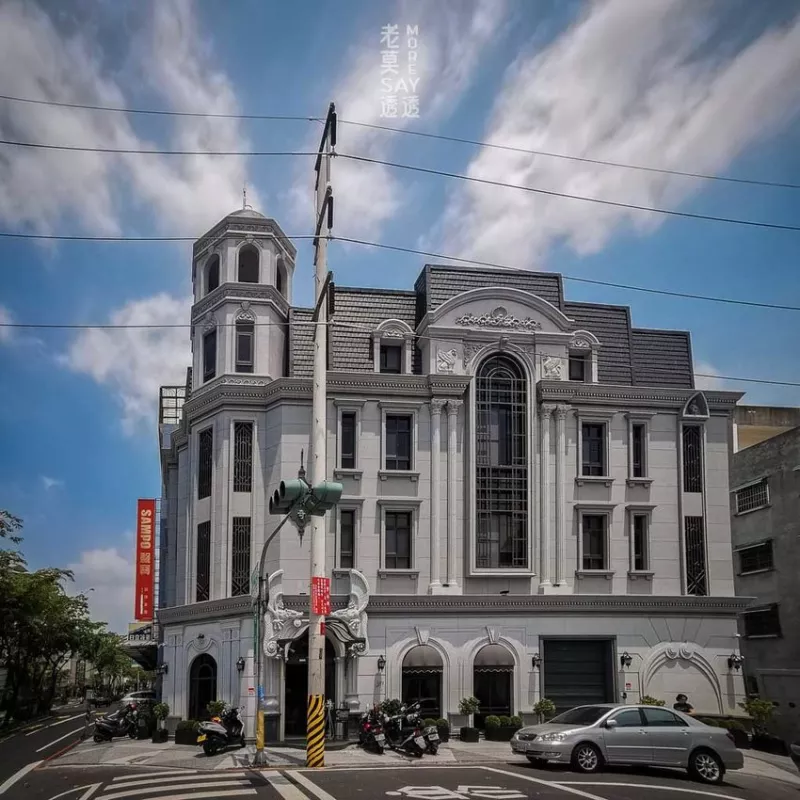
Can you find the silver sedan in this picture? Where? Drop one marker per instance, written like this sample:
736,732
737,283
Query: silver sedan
588,737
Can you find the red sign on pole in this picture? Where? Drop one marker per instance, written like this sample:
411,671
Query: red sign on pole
145,559
321,596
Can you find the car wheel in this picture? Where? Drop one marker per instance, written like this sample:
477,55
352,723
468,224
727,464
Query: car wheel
586,758
706,766
537,762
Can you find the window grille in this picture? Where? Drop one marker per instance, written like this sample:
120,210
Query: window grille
240,556
205,459
692,458
243,457
752,497
203,584
696,576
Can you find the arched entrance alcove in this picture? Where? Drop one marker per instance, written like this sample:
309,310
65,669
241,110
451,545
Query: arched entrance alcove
422,679
202,685
296,683
493,679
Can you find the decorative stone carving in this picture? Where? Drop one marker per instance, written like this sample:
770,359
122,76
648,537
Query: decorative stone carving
446,360
493,634
546,410
437,404
580,343
423,635
245,382
245,313
355,614
210,323
392,333
499,318
453,406
278,618
471,349
696,407
551,368
683,650
561,412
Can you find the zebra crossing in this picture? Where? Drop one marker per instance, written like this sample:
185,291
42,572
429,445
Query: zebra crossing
180,785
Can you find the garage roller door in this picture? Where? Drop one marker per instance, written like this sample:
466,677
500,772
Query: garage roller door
577,672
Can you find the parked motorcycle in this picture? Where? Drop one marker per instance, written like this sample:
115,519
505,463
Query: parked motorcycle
431,734
221,732
370,731
118,723
404,733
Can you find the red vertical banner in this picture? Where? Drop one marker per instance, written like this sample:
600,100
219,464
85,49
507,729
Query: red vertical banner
321,596
145,559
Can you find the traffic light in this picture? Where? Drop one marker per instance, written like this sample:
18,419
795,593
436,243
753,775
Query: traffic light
323,497
286,496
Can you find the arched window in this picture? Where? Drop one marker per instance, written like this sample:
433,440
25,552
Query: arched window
280,278
248,264
212,274
422,679
493,674
202,685
501,466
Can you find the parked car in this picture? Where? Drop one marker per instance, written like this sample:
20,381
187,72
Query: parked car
101,700
138,697
589,737
794,752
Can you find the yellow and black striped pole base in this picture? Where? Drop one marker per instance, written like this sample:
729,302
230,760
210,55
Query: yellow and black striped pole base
315,731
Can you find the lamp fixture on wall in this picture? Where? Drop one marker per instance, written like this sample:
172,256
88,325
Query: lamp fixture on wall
381,663
162,669
536,661
625,660
735,661
240,664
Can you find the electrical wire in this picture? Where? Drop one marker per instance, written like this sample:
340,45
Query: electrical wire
138,152
417,133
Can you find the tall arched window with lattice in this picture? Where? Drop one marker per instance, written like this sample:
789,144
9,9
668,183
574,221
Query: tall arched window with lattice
501,468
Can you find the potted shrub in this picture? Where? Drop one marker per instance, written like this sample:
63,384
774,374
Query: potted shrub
186,732
443,727
391,707
467,706
216,708
160,712
492,728
650,701
545,709
761,712
145,721
737,730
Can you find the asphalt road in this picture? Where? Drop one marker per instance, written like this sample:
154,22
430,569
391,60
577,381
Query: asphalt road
418,782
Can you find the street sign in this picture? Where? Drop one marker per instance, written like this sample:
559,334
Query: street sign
320,596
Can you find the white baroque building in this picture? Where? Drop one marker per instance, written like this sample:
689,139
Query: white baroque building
535,501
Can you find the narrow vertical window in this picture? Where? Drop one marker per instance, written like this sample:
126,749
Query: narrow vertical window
638,440
210,355
391,358
593,449
692,458
398,539
240,556
245,341
696,575
212,273
203,583
501,458
243,457
205,463
398,441
577,367
640,555
348,442
347,537
594,542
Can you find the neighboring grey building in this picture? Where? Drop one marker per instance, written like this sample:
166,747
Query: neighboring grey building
765,508
535,501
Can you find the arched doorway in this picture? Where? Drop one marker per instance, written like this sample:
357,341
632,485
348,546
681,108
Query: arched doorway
296,683
493,679
422,679
202,685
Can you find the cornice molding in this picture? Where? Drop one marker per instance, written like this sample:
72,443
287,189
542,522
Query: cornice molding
230,226
237,292
210,610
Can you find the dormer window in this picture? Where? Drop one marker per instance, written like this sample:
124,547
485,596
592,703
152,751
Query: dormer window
392,359
248,264
392,344
577,367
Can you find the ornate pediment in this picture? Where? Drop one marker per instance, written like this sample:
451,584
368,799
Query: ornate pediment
499,318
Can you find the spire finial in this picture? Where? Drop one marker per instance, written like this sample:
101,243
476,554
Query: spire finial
244,196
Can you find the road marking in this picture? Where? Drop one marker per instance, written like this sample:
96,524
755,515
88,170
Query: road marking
60,739
283,786
91,787
35,726
62,721
33,730
186,772
650,786
6,785
312,787
205,784
138,780
194,795
568,789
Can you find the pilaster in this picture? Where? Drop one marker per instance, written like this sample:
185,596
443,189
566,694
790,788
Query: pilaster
437,405
452,465
561,544
544,500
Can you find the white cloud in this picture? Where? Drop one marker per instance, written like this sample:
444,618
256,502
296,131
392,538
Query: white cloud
451,42
51,483
6,334
44,188
641,83
135,362
706,377
107,579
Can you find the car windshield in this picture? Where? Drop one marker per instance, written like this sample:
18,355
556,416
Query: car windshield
583,715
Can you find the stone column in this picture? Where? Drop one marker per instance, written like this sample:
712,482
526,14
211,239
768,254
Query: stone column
436,494
544,501
452,465
561,544
351,682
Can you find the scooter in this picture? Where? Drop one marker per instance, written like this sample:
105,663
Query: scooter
221,732
118,723
370,733
408,738
431,734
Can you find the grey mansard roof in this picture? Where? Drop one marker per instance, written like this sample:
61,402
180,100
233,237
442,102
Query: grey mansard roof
627,356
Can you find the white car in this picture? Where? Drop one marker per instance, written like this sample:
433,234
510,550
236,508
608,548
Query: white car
138,697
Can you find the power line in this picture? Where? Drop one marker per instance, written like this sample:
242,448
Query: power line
566,195
410,132
139,152
426,253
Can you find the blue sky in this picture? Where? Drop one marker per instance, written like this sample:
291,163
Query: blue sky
709,87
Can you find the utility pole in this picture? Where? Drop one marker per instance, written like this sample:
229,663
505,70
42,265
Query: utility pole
320,584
